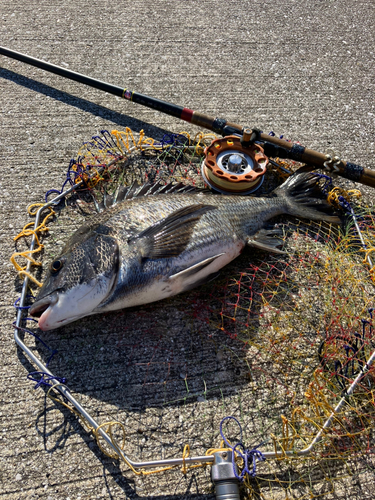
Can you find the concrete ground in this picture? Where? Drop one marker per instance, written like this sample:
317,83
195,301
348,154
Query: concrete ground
303,68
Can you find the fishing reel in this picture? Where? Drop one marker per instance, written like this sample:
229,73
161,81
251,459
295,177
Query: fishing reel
234,166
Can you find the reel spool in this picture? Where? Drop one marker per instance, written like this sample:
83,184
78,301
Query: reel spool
231,168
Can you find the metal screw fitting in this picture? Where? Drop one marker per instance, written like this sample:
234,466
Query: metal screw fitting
223,476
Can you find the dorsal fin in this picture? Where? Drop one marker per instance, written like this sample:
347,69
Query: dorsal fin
148,189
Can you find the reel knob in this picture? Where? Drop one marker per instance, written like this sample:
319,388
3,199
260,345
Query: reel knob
235,163
231,168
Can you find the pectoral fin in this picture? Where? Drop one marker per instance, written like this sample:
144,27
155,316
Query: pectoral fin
171,235
196,268
265,240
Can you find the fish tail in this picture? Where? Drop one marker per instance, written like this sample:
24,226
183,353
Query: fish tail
304,198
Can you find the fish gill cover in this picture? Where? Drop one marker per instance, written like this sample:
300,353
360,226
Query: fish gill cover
275,341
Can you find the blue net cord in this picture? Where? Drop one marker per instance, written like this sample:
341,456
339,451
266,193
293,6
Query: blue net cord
249,457
106,142
174,140
109,140
41,378
354,347
272,134
16,306
71,176
327,182
44,379
345,205
327,186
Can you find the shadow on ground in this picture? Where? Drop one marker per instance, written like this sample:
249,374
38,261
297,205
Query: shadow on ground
89,107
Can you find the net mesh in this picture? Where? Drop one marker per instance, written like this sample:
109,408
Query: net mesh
275,341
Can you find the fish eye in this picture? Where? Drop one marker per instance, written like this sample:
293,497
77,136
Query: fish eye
56,266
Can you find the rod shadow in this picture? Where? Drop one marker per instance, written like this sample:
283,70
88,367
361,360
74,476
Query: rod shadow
83,104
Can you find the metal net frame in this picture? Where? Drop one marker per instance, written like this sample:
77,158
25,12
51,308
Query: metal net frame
294,332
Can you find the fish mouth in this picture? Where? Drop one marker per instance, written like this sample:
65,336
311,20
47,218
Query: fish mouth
40,306
41,309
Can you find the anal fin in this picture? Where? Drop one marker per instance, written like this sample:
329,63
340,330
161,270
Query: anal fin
265,239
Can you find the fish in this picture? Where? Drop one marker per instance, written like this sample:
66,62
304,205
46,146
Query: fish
152,242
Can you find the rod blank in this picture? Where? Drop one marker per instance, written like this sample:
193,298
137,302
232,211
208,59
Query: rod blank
220,126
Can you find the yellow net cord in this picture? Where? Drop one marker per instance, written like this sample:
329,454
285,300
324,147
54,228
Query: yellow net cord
36,233
126,143
350,196
108,428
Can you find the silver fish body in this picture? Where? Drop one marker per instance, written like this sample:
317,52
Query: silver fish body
151,247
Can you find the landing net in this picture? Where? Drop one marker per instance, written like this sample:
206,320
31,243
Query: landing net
275,341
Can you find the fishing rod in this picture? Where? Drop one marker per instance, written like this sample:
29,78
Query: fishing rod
273,146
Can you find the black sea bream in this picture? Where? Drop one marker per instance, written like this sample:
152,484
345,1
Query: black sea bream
157,244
